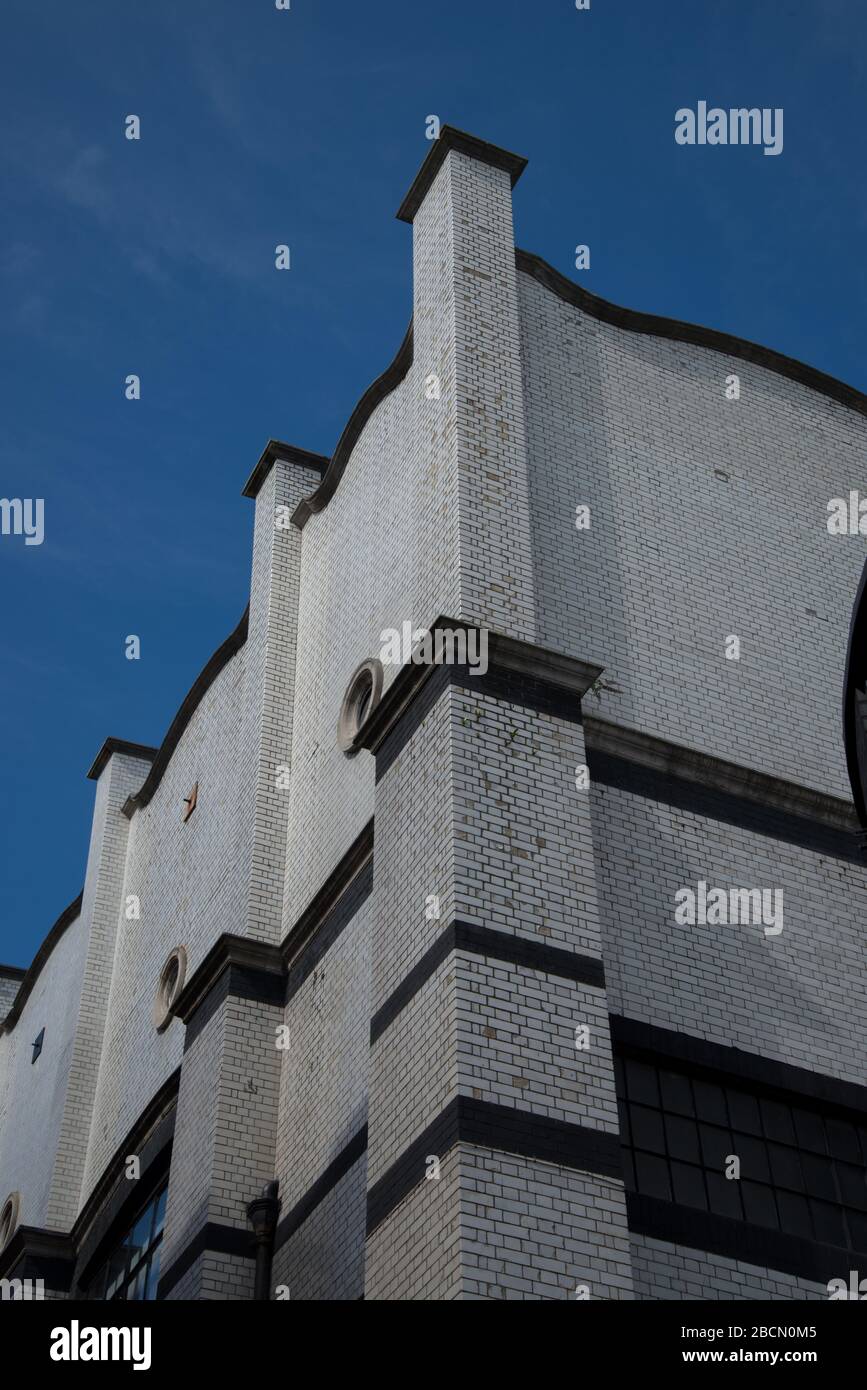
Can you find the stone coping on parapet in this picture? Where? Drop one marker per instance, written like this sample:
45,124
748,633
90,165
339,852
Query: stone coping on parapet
854,685
462,143
289,453
631,320
143,751
203,682
688,764
657,326
69,915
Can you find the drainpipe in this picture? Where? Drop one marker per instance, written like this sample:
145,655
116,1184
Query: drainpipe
262,1215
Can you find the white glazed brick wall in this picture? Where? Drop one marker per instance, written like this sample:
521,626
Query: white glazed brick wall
524,844
217,1278
800,997
414,1071
431,515
222,870
323,1261
8,990
677,558
32,1097
665,1271
414,1254
224,1144
495,547
497,783
270,679
100,910
190,880
323,1084
496,1226
515,1040
533,1231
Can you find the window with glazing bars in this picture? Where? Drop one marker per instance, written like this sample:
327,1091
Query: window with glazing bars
132,1271
803,1170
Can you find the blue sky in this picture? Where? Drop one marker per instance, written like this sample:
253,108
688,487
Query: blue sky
306,127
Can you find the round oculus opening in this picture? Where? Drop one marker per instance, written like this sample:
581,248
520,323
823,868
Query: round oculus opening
362,696
169,986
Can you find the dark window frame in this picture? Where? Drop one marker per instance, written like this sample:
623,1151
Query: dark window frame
796,1179
130,1272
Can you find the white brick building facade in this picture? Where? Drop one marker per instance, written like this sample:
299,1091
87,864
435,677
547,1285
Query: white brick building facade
434,987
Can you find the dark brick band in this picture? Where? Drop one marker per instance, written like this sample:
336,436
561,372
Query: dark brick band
329,928
494,945
739,1240
716,1062
319,1190
498,1127
705,800
213,1239
235,982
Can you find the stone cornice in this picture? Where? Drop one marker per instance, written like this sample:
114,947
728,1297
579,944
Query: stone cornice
289,453
634,321
69,915
39,1247
228,951
125,748
373,396
676,760
221,657
507,655
452,139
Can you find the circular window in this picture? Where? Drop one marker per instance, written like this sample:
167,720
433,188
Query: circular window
8,1219
171,983
361,698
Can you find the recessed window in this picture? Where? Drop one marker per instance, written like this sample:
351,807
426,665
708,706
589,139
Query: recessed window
37,1045
803,1168
8,1219
362,696
132,1271
171,982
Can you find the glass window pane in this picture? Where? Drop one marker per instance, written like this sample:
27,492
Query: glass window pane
688,1185
136,1288
785,1168
140,1235
160,1214
778,1121
725,1195
744,1112
647,1132
753,1154
842,1140
682,1138
641,1083
828,1223
710,1102
759,1205
652,1176
716,1147
810,1131
853,1185
117,1266
623,1113
857,1223
818,1176
150,1292
794,1215
676,1093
